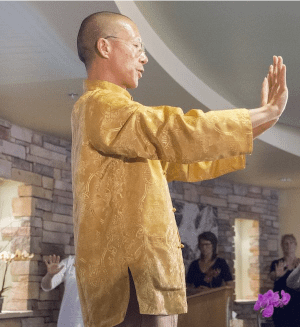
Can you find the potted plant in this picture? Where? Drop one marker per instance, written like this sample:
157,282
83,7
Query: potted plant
7,258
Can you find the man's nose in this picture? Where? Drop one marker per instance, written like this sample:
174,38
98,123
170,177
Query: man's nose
144,58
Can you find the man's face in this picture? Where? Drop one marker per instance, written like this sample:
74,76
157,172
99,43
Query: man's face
127,57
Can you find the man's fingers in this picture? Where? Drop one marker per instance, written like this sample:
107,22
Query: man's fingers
270,75
264,92
282,77
275,70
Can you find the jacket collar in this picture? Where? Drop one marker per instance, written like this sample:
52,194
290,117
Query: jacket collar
91,85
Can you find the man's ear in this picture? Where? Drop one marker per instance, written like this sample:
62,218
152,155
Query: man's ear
102,48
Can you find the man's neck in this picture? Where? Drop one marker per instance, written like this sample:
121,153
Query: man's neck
93,73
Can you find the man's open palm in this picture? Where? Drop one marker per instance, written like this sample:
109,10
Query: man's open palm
53,265
274,89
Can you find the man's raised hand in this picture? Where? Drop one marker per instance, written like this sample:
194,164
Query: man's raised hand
274,92
53,265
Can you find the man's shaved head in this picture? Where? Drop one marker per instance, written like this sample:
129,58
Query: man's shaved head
93,27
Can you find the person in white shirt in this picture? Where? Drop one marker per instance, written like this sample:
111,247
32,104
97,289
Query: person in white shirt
64,271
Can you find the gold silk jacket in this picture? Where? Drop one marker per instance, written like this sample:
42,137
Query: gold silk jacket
123,155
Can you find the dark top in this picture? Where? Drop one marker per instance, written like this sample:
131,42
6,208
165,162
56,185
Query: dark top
289,315
221,273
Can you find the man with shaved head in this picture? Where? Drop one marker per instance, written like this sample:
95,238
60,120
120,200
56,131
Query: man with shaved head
129,262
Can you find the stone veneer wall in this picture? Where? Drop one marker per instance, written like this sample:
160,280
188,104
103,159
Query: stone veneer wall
245,202
44,207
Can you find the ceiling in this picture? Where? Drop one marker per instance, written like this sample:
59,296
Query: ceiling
207,55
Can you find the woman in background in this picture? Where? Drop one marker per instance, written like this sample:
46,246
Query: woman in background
209,271
289,315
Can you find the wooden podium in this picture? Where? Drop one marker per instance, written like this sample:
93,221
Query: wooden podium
210,308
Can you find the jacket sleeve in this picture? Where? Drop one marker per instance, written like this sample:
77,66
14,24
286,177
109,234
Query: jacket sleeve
293,280
117,125
203,170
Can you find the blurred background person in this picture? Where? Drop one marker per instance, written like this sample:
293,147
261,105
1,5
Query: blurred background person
280,270
209,271
64,271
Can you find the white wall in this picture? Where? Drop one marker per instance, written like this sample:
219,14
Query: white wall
289,214
8,191
242,258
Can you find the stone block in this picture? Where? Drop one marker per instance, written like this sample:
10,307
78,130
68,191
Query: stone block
24,290
70,229
51,139
45,153
21,164
266,192
269,217
46,305
38,192
26,177
69,194
241,190
30,278
35,245
63,185
66,175
65,143
5,168
37,139
63,200
47,216
60,165
56,237
57,174
37,222
43,170
4,133
62,209
40,160
62,218
240,200
176,196
221,190
33,322
44,204
50,249
272,245
23,206
47,183
37,232
21,133
24,267
54,226
259,209
190,193
55,148
213,201
12,149
12,322
52,295
254,189
5,123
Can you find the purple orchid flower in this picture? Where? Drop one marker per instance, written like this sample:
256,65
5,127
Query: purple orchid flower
266,302
268,311
285,297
